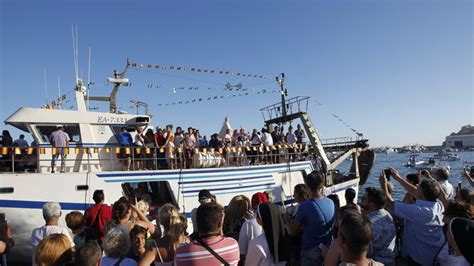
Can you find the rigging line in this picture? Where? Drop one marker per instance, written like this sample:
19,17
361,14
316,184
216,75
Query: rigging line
174,76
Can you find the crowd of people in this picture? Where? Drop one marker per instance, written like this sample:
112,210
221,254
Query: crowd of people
164,143
432,225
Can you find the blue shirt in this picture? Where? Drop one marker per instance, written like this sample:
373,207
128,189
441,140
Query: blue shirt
423,234
317,216
124,138
382,245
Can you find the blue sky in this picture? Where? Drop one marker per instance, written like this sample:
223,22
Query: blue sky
398,71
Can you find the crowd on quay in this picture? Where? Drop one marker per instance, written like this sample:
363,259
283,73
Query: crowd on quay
432,225
238,146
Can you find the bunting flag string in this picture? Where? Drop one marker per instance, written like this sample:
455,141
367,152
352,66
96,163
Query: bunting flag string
218,97
342,121
228,87
196,70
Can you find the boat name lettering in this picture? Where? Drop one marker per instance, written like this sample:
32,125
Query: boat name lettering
104,119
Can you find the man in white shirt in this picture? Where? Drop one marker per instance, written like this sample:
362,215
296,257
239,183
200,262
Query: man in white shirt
51,214
441,175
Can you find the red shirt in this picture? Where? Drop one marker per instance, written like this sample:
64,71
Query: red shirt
160,139
91,214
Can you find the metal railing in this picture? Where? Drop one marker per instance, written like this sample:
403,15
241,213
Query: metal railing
115,158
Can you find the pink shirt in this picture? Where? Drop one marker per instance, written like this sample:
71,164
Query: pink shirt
193,254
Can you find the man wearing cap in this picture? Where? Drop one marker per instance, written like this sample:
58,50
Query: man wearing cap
59,140
250,228
204,196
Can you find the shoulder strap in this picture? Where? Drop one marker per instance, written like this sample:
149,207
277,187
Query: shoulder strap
97,216
119,261
320,210
208,248
158,250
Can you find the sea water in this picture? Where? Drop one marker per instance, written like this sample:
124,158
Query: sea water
398,161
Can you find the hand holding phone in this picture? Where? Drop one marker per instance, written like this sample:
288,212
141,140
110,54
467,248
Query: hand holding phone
388,173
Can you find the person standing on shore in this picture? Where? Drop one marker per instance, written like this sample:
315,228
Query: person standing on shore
59,139
98,215
423,233
316,218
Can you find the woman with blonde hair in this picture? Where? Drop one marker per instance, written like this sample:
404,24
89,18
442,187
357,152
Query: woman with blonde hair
235,215
174,234
54,249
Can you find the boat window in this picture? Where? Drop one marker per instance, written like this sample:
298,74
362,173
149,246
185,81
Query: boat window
5,190
45,131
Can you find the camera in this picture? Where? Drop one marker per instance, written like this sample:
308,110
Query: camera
387,173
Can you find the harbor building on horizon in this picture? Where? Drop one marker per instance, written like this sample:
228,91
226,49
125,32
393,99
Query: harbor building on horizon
463,139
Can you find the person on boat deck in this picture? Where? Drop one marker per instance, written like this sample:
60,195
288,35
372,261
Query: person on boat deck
139,154
423,231
267,141
150,142
214,142
225,250
291,139
169,145
116,246
51,215
272,247
98,215
59,139
189,145
300,135
441,175
382,245
255,141
179,137
21,142
160,141
125,141
316,218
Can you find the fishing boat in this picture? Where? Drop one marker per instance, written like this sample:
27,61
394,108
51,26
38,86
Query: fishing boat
93,163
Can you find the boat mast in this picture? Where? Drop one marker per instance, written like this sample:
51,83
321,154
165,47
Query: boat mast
118,80
280,79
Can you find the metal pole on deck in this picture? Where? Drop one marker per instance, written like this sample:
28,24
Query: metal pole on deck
281,80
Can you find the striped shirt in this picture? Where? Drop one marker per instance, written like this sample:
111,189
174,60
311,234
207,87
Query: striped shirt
194,254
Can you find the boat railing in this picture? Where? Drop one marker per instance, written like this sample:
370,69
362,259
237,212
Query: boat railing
16,159
293,105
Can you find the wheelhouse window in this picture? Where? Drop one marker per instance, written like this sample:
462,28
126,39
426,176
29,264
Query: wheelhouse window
44,131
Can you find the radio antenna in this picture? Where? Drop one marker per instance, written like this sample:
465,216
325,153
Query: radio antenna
45,86
89,75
